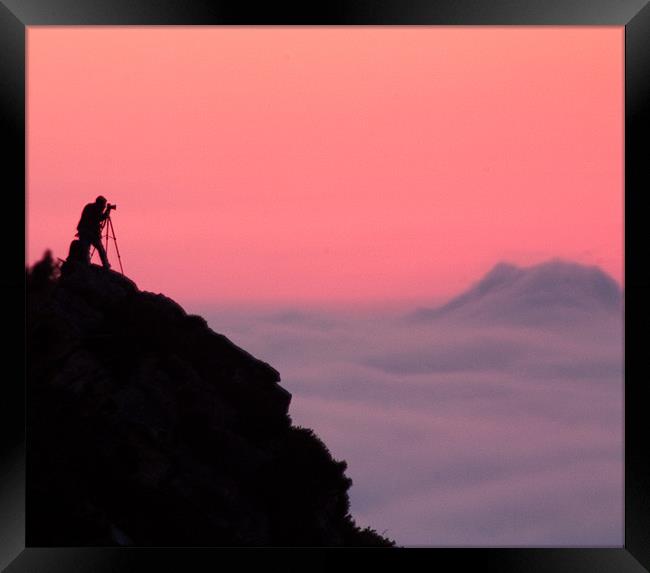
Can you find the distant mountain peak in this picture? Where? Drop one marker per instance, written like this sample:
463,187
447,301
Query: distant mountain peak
501,274
549,291
503,267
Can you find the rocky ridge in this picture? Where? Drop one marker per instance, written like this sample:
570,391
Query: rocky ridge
145,427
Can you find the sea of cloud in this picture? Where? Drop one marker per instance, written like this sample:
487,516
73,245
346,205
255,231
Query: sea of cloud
455,433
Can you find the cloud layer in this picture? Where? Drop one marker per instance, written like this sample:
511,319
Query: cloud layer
457,433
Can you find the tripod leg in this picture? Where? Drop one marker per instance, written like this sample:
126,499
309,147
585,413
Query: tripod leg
117,250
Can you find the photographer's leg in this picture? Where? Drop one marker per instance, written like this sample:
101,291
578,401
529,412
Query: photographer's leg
102,253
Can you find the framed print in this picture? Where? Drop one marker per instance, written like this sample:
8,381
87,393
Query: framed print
352,277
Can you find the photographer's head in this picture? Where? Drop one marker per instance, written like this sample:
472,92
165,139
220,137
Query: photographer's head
101,201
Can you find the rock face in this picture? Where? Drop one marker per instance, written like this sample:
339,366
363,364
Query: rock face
145,427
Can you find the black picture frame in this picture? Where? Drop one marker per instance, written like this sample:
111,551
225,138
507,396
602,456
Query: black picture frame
17,15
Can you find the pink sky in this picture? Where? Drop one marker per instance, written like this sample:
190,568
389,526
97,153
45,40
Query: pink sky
325,164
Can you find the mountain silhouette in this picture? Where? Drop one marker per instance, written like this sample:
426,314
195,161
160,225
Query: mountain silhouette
556,291
146,428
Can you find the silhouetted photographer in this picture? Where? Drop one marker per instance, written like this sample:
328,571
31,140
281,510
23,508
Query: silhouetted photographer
90,227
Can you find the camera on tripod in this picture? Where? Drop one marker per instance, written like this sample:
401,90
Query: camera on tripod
109,207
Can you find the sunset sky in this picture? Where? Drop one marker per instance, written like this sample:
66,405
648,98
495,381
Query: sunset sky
325,164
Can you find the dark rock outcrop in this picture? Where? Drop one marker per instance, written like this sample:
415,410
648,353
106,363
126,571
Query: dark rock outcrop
145,427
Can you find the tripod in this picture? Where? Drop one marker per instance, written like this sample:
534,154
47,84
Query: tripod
107,225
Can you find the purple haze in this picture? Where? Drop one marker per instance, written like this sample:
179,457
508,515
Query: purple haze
495,420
